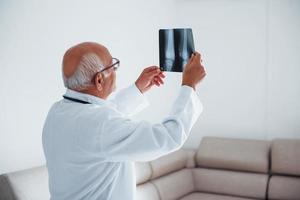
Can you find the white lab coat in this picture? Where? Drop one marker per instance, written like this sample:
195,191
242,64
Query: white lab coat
90,149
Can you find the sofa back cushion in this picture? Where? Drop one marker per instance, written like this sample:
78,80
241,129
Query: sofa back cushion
143,172
234,154
285,157
169,163
147,191
168,177
6,190
175,185
30,184
242,184
146,171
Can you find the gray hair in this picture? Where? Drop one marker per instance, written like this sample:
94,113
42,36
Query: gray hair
88,66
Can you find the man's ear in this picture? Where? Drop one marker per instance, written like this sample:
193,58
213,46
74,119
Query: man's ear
99,80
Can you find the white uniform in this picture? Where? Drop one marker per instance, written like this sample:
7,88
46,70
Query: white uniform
90,149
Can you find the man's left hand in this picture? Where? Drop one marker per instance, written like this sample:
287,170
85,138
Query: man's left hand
149,77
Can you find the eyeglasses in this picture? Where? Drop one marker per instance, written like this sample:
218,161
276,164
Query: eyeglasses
115,65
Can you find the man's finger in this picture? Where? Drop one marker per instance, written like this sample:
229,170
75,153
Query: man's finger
162,75
158,79
191,59
155,82
153,73
151,68
197,57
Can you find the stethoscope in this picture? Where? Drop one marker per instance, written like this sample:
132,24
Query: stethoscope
76,100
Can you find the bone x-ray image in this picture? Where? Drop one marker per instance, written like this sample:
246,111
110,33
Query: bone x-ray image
175,48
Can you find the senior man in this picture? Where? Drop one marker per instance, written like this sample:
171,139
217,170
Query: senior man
90,142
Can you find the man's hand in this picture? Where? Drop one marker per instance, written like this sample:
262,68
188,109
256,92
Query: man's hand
149,77
194,71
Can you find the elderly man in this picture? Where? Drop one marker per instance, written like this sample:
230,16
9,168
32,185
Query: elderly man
90,143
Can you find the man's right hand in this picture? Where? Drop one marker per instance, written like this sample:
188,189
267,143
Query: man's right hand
194,71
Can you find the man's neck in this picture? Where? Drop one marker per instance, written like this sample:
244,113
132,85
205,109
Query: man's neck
93,92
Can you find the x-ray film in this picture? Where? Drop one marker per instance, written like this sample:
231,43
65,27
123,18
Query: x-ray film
175,48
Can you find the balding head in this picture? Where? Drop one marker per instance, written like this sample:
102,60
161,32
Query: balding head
81,62
74,55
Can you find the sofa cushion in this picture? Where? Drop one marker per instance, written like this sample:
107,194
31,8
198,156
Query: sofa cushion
147,191
233,183
175,185
206,196
143,172
6,190
190,158
234,154
169,163
284,188
30,184
285,156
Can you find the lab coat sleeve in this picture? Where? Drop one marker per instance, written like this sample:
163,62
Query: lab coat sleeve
130,100
125,140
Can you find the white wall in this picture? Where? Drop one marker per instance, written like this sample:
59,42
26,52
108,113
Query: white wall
252,54
250,48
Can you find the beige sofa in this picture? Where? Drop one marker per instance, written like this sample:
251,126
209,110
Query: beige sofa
224,169
220,169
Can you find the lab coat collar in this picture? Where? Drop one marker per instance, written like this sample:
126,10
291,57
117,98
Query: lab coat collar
86,97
